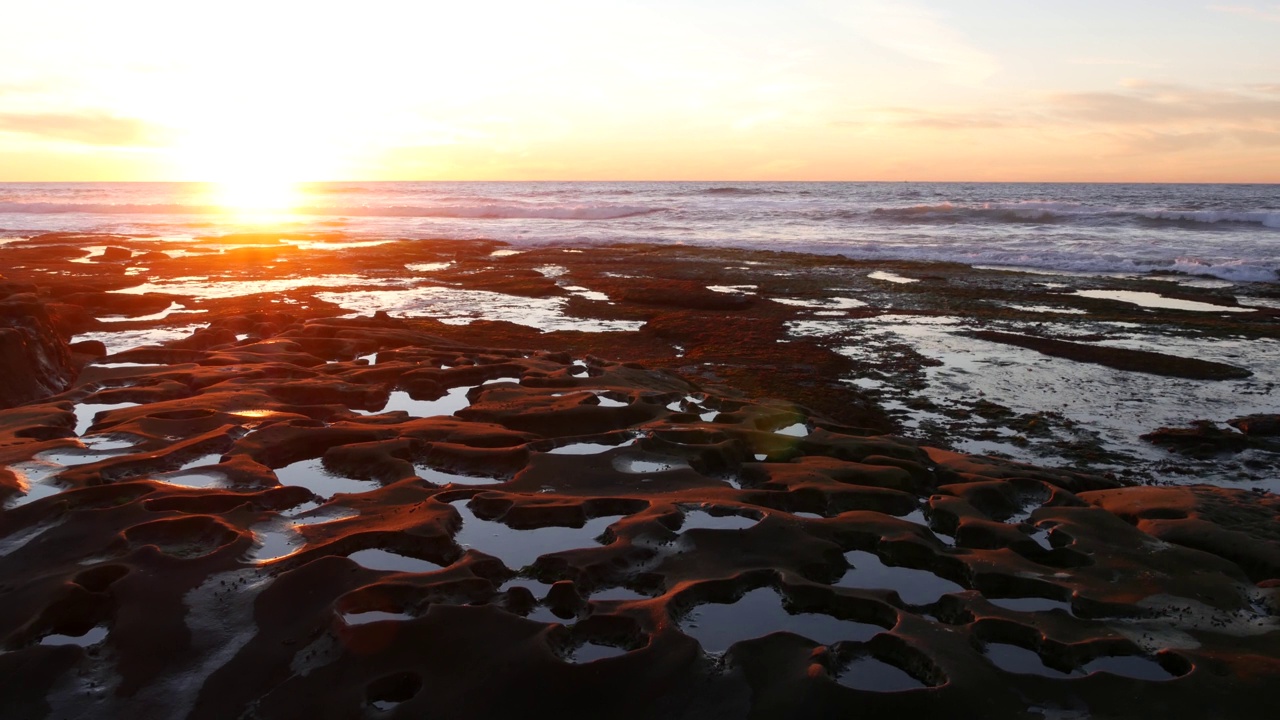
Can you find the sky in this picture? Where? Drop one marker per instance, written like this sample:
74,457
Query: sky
982,90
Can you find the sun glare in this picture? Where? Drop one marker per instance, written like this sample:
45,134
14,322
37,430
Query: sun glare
256,200
253,174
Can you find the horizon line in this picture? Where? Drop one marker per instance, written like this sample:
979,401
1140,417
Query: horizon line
703,181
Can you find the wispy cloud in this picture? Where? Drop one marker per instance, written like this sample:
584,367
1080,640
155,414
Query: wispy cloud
917,33
1138,117
1167,104
1093,61
937,119
86,128
1269,13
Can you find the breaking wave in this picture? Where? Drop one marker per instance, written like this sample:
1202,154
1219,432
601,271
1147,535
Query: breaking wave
1046,213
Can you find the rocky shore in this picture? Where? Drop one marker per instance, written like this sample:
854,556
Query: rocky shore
274,477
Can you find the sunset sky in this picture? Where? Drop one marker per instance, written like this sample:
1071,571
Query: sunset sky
664,89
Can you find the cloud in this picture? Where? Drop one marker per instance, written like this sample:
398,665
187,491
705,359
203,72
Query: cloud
917,33
1269,13
1145,104
1179,107
1138,118
85,128
935,119
1093,61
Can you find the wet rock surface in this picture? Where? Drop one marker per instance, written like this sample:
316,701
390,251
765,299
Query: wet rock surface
34,359
287,513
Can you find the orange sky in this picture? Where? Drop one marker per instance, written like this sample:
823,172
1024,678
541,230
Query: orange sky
754,89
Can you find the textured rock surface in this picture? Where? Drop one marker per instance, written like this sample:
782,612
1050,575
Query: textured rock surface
244,593
34,360
279,513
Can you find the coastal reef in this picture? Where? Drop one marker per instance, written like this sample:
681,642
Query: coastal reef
453,480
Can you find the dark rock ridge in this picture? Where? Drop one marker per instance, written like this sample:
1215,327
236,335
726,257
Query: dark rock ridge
34,360
1120,358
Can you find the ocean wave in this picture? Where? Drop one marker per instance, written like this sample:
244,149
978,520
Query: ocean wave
1266,218
1049,212
552,212
475,212
732,190
1235,270
946,213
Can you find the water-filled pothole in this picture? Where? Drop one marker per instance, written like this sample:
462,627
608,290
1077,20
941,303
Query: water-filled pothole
891,277
635,466
194,480
794,430
365,618
915,587
1020,660
35,479
588,448
442,478
94,636
377,559
451,402
701,519
868,673
311,475
618,594
85,412
272,544
590,652
518,548
1030,604
917,516
760,612
1157,301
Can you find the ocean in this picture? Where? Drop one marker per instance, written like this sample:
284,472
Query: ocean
1231,232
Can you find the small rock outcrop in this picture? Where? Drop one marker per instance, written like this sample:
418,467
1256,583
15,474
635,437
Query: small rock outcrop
34,360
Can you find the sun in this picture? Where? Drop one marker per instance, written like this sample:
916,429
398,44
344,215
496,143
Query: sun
256,199
253,175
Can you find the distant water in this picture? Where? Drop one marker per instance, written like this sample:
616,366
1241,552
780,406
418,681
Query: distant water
1228,231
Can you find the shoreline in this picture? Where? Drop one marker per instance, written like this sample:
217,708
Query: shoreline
741,427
